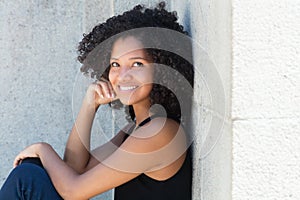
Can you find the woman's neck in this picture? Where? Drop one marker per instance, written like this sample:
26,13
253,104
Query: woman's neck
142,112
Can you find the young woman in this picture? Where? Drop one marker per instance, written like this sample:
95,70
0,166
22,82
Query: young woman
147,159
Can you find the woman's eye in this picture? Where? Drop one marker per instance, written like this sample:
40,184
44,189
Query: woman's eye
137,64
114,64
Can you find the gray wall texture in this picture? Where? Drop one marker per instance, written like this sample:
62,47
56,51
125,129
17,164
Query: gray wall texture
40,80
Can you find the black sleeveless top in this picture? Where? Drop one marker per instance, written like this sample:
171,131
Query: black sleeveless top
143,187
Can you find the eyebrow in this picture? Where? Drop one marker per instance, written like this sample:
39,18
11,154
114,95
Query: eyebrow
132,58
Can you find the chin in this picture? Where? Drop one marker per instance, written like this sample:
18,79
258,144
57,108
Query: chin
134,101
126,101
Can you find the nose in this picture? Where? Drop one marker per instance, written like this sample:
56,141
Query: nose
124,74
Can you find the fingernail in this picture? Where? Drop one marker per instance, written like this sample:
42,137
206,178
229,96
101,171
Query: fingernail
102,96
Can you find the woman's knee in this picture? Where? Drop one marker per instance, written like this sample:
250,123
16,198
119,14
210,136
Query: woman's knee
31,181
28,172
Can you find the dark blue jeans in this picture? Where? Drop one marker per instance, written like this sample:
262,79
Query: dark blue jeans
29,181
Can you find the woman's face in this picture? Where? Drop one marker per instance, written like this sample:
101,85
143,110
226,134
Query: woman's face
131,71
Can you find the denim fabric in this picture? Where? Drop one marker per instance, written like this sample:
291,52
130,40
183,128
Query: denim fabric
29,181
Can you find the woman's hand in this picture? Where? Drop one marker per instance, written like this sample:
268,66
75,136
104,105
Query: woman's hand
100,92
32,151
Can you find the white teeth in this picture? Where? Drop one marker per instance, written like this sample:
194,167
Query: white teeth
125,88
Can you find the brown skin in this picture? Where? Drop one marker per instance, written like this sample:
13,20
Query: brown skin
156,149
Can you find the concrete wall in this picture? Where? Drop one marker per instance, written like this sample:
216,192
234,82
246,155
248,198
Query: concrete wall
254,157
41,89
38,67
37,70
210,27
265,101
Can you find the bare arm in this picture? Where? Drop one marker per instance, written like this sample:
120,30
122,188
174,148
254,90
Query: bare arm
77,151
102,152
117,168
78,145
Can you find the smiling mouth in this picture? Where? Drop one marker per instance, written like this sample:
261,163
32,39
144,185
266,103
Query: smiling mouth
127,88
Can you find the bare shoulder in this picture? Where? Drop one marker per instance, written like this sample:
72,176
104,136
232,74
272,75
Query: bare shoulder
161,138
159,128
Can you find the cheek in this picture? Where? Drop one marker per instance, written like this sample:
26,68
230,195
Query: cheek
112,76
145,76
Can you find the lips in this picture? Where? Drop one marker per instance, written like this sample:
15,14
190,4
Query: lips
127,88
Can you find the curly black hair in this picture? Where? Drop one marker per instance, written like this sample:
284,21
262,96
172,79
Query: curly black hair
94,53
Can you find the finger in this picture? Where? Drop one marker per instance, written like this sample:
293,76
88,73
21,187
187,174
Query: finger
105,89
110,88
112,91
97,88
17,161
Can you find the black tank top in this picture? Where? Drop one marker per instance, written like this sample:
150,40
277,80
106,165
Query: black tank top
143,187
